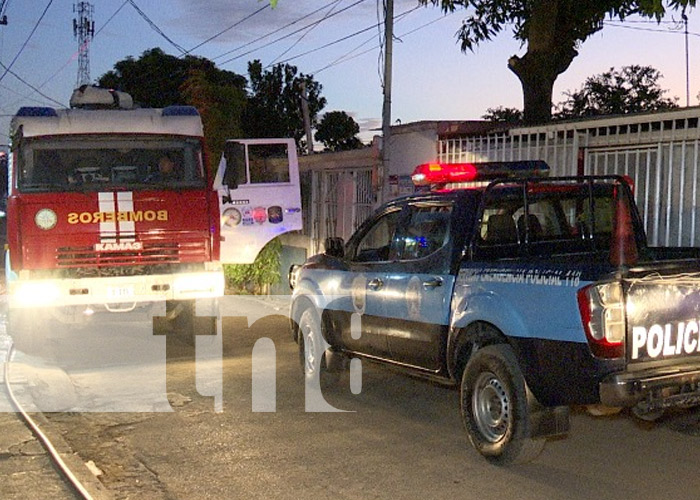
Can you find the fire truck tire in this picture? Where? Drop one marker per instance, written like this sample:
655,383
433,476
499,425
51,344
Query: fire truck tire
184,322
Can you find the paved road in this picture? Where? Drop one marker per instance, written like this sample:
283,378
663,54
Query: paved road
400,438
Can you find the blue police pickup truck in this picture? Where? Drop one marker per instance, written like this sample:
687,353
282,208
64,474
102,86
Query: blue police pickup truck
530,293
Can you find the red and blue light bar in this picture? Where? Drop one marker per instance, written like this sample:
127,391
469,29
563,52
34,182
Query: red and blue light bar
429,174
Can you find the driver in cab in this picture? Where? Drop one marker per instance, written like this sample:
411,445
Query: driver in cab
167,171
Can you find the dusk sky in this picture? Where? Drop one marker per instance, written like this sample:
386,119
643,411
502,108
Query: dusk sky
336,41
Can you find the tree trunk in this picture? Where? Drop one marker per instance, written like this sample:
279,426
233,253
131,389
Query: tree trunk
537,81
550,52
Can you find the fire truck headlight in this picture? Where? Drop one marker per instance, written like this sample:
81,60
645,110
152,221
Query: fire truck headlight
210,283
36,294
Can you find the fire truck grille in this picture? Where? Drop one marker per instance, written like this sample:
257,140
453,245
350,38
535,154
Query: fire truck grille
155,257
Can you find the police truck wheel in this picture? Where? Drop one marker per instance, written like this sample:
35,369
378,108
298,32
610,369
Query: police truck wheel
495,408
311,349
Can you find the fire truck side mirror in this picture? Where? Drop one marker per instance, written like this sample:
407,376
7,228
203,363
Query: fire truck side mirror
4,172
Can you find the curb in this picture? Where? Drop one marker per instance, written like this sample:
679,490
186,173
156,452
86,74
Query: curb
94,487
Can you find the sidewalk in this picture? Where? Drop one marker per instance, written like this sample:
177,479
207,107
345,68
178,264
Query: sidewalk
25,466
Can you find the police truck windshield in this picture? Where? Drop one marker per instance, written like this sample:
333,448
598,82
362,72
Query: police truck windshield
98,163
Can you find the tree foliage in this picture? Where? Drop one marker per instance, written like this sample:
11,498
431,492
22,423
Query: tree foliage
632,89
157,80
505,115
220,107
274,103
337,131
551,30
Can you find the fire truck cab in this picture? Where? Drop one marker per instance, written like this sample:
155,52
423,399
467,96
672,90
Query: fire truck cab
110,207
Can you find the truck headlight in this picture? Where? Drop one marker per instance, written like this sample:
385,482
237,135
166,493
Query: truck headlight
210,283
36,294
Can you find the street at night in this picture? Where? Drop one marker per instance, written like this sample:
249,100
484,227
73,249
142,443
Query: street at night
399,438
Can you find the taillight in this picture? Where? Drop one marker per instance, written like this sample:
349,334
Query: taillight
602,309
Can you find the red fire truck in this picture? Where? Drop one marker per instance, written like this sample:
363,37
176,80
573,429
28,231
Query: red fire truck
110,208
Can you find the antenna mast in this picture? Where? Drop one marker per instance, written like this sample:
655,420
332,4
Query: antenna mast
3,17
84,32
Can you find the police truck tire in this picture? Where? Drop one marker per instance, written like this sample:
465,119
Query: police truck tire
494,407
312,354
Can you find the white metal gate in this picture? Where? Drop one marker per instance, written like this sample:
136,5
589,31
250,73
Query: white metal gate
344,196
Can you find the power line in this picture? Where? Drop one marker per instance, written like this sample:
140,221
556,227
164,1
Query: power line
330,44
292,33
155,27
348,57
332,8
381,38
114,14
22,96
652,30
65,65
3,9
346,37
266,35
24,45
8,70
228,29
352,35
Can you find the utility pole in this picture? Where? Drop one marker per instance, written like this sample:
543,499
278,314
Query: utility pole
307,118
84,32
687,60
386,108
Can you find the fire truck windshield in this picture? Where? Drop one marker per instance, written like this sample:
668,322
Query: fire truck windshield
96,163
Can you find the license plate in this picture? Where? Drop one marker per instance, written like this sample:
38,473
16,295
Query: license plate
120,292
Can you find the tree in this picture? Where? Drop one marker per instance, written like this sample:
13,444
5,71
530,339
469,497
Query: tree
220,107
505,115
156,78
552,30
632,89
338,131
274,103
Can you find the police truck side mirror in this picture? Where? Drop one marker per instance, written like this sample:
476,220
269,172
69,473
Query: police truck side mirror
335,247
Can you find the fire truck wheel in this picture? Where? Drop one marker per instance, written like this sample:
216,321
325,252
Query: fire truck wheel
184,322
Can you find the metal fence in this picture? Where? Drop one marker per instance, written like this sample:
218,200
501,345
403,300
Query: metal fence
659,151
335,193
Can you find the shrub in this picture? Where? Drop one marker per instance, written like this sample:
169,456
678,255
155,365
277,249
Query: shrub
257,277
